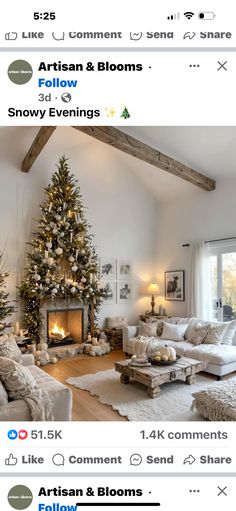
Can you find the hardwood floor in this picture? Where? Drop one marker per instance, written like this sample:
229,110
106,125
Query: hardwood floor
85,406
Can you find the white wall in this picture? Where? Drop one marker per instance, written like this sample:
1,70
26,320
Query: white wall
123,213
201,216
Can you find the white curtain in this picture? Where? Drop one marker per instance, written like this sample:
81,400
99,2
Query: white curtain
200,288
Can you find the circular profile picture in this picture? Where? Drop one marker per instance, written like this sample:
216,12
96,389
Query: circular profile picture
20,72
20,497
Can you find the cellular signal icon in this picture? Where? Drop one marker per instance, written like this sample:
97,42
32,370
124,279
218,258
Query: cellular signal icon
173,17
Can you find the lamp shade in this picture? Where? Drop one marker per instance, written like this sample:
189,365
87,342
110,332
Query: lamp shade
152,289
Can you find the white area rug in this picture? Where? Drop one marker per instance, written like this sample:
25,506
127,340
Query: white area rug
131,401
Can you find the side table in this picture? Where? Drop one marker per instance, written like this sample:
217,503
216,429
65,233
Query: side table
115,337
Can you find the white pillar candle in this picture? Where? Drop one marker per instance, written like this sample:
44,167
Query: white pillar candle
50,207
71,236
46,254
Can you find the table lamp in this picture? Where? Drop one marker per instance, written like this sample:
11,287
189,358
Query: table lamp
152,290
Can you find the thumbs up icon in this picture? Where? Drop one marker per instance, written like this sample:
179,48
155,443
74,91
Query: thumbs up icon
11,461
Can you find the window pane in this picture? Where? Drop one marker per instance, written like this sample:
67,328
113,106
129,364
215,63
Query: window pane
213,286
229,285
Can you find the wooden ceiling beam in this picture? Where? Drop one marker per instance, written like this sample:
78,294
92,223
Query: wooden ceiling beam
144,152
37,146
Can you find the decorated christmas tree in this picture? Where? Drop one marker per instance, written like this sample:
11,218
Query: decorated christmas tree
62,262
6,309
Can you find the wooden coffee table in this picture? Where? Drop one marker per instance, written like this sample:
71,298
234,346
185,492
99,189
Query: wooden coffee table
154,376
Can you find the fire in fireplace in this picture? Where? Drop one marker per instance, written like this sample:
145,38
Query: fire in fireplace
64,326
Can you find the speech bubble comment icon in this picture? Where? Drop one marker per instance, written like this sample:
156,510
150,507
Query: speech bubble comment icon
135,459
58,460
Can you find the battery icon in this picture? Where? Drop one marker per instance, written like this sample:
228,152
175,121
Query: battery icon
206,15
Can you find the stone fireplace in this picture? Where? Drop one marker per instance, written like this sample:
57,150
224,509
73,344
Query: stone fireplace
64,326
65,322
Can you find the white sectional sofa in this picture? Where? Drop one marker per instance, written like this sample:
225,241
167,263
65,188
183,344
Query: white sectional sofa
60,394
218,359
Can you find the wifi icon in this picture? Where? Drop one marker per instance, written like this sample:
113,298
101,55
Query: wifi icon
189,15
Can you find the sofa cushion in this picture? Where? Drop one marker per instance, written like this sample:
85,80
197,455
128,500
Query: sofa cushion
197,334
117,321
229,332
173,332
213,354
148,329
3,395
214,334
9,348
20,384
217,403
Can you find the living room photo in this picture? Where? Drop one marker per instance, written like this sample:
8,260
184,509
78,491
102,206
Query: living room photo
117,274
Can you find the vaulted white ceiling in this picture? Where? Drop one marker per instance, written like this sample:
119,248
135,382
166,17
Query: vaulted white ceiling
209,150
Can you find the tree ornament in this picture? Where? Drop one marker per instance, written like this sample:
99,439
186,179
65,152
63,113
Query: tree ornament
62,234
71,259
59,251
73,290
74,268
54,291
83,280
58,218
36,277
82,251
35,267
49,244
47,280
54,231
50,261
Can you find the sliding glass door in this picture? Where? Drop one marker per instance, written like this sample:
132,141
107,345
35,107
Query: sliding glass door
222,280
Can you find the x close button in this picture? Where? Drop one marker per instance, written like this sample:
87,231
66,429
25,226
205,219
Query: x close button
222,491
222,65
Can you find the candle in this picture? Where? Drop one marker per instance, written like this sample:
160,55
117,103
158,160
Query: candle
64,205
46,254
50,207
71,236
17,328
76,254
91,278
89,337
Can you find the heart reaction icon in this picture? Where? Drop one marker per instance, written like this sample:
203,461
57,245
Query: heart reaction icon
22,435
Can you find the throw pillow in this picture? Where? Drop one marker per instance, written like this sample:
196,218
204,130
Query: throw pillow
159,325
229,332
117,322
198,333
193,323
20,384
9,348
3,395
173,332
147,329
214,334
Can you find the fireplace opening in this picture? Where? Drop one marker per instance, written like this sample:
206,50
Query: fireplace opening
64,327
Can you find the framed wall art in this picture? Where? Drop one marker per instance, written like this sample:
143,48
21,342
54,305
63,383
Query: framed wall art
175,285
